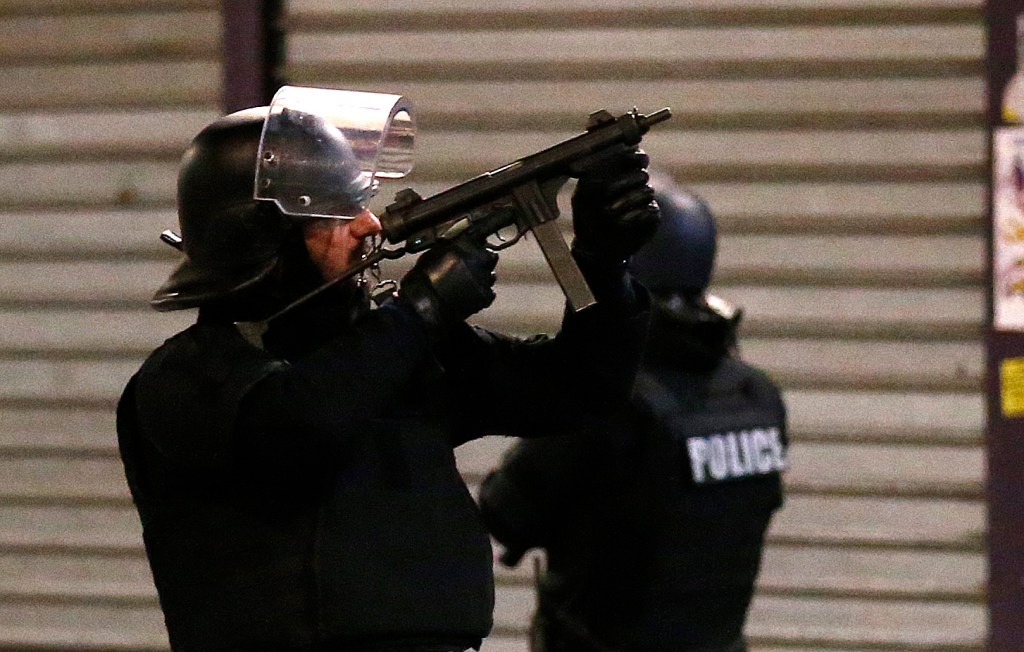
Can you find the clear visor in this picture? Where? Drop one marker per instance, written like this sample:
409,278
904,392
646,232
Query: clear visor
322,150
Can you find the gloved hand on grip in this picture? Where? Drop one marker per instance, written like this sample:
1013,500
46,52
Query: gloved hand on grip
613,208
449,283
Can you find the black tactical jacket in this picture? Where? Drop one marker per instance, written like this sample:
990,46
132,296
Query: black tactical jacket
305,496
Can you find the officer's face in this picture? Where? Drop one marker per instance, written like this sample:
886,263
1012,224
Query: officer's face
335,245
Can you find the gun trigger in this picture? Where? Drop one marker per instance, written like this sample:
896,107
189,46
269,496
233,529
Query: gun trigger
599,118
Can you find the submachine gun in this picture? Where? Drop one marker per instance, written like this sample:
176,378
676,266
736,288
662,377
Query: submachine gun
522,194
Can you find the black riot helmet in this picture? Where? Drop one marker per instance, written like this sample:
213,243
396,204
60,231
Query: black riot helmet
249,179
680,257
231,241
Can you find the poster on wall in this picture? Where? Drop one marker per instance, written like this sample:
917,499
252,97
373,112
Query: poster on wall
1008,229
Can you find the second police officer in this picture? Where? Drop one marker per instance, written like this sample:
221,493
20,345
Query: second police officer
653,524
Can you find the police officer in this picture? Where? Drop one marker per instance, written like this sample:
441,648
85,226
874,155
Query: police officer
653,524
297,487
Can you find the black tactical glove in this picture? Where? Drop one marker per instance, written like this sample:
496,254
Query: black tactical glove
449,283
613,208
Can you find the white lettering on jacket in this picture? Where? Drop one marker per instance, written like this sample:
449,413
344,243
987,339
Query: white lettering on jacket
740,454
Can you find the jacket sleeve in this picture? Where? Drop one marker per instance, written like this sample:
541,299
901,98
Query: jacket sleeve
517,499
543,386
546,489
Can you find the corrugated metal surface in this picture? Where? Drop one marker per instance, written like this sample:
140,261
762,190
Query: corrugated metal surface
100,98
841,144
839,141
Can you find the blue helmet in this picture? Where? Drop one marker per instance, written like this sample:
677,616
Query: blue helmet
681,255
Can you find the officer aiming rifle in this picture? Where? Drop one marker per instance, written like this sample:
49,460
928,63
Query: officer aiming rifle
296,481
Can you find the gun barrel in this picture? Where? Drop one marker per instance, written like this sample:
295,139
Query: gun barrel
661,115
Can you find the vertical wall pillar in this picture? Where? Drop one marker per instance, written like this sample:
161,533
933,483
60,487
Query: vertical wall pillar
253,53
1005,370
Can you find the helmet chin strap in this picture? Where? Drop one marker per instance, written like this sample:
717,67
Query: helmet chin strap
253,330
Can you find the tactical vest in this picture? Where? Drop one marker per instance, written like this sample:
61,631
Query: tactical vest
250,552
727,427
717,451
708,479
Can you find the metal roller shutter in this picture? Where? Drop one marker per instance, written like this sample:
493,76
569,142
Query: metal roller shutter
841,144
100,98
